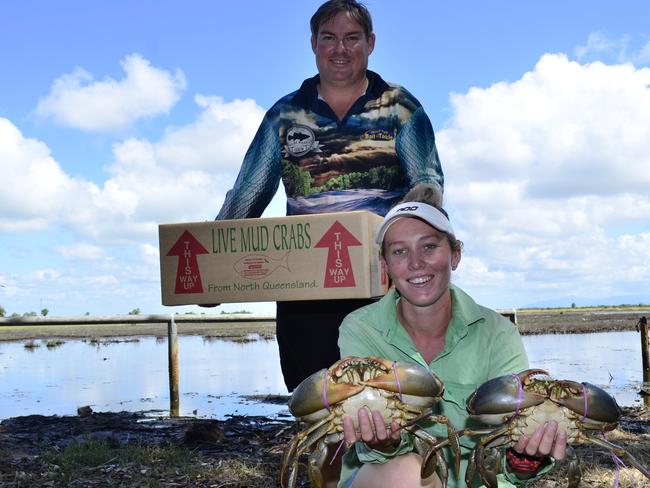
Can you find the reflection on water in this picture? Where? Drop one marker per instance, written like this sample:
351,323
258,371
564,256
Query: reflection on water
216,374
133,376
610,360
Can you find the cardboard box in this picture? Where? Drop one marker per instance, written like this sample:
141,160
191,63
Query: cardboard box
305,257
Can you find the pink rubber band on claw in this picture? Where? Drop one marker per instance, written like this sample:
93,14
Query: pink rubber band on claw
399,387
520,394
325,402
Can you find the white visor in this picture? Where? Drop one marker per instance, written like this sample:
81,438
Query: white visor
424,211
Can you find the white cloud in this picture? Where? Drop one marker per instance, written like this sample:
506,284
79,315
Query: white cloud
215,139
544,175
603,48
81,250
35,189
643,57
182,177
78,100
599,46
563,129
48,274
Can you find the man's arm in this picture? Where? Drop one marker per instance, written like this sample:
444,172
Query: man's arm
416,149
258,179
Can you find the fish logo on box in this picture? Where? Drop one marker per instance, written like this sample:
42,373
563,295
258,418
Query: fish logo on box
256,266
188,276
338,271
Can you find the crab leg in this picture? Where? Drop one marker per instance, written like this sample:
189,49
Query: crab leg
620,452
432,459
574,469
300,443
476,460
316,460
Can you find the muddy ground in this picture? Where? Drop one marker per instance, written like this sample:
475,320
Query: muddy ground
257,443
213,446
579,321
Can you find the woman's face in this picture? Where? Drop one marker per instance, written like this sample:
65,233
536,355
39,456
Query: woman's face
419,260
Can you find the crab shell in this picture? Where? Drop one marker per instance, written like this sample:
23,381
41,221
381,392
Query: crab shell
573,405
368,378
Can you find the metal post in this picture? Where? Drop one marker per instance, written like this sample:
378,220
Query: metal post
174,402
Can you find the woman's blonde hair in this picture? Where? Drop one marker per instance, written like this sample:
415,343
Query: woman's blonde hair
432,195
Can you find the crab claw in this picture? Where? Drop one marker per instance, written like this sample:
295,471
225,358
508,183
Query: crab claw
323,388
408,378
586,399
505,395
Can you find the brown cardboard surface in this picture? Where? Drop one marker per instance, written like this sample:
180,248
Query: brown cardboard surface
305,257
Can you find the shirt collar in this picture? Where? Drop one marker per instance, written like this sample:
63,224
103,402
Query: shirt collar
465,312
307,94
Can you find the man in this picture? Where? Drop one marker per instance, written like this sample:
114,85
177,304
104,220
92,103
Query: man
345,140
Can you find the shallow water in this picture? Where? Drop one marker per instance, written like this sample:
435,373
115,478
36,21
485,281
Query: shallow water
215,375
611,360
133,376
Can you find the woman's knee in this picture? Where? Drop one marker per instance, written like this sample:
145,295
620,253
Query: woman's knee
403,471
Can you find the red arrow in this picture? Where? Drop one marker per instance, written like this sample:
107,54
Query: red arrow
339,266
188,277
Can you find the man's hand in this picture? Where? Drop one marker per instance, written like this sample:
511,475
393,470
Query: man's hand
372,430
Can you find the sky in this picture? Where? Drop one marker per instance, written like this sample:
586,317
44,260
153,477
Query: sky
118,116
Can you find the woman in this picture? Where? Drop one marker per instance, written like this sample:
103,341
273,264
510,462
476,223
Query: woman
426,319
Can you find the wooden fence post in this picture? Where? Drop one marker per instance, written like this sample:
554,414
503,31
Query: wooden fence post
642,326
172,333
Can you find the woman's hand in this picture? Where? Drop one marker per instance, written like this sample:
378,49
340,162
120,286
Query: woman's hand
372,430
547,440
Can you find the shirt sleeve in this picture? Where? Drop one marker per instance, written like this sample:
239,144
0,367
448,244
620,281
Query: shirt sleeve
507,353
416,149
352,342
259,176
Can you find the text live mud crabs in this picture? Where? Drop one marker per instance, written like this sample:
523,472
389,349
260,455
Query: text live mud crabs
402,391
520,403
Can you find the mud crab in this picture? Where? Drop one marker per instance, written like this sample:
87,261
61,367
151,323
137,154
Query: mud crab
402,391
522,402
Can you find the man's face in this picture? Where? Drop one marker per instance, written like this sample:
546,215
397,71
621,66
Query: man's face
342,50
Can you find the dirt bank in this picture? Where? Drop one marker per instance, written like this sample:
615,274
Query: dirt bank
529,322
568,322
91,331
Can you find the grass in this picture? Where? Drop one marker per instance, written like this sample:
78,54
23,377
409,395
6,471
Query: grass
251,459
98,463
147,466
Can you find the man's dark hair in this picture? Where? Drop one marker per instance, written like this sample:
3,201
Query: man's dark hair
332,8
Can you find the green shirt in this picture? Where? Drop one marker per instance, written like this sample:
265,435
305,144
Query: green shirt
480,344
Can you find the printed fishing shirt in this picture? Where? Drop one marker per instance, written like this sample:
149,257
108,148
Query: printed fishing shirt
367,161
